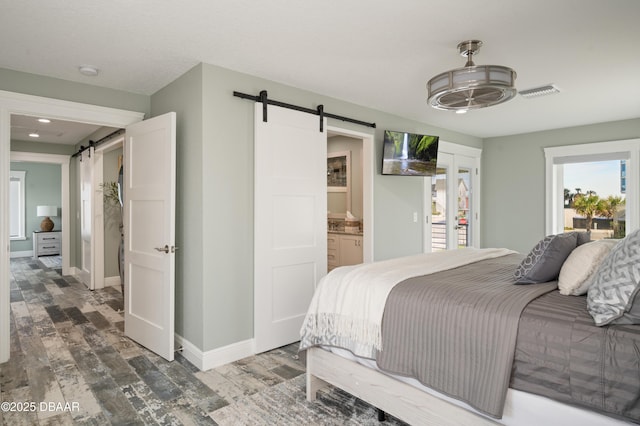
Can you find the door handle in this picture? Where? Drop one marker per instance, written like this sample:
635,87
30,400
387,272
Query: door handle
166,249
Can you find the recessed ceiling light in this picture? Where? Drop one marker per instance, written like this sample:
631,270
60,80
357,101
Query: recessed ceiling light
44,120
88,70
34,135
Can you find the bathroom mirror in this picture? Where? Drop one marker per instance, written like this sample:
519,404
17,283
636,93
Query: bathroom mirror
338,182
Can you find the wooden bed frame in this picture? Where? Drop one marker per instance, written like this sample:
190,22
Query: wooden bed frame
397,398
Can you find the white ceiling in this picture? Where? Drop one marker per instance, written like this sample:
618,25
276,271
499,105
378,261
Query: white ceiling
57,131
369,52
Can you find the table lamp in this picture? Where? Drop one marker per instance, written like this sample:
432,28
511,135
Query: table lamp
47,211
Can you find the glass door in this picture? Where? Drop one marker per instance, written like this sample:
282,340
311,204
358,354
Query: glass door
440,202
452,212
464,215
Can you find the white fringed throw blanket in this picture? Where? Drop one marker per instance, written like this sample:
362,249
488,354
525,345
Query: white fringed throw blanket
347,307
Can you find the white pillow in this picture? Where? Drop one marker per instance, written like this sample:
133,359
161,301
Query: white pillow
580,266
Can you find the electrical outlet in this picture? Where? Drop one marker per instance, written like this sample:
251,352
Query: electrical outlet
415,217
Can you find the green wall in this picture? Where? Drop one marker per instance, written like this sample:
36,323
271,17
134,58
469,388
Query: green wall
184,97
38,85
42,187
215,208
513,180
41,148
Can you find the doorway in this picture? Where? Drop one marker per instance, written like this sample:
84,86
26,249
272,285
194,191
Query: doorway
107,237
100,213
13,103
367,167
290,250
63,162
451,200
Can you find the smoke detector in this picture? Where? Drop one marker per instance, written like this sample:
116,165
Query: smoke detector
88,70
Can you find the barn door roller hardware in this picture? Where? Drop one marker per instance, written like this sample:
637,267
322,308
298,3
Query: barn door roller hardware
95,144
262,98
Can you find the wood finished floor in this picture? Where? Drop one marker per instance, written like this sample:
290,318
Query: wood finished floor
68,351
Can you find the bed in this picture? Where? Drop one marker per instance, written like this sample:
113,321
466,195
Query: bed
447,338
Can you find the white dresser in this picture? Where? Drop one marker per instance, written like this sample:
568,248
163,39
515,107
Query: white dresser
47,243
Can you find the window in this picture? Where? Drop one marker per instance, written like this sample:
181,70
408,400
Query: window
595,198
616,162
17,205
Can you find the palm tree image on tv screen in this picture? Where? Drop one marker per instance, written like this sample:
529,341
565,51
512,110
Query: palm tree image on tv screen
409,154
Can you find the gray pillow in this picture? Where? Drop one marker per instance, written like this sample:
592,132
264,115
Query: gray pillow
544,261
612,297
583,237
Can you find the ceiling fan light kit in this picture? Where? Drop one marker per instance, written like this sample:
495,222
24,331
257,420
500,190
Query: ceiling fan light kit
472,86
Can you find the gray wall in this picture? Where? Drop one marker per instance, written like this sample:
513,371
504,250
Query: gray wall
42,187
215,187
513,180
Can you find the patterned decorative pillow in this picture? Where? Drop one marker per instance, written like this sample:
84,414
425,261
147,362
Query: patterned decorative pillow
544,261
612,295
577,271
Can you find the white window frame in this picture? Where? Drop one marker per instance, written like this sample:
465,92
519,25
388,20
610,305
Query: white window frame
18,176
556,157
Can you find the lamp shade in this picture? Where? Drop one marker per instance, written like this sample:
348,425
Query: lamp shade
47,211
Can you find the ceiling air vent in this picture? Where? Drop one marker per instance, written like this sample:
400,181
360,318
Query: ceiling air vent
539,91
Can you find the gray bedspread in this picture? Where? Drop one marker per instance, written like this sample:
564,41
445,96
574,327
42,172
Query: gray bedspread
561,354
455,331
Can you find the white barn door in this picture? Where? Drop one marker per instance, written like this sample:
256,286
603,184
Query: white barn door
149,229
290,222
87,252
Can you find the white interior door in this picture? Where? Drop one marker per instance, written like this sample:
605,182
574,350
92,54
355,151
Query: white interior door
149,229
86,218
290,222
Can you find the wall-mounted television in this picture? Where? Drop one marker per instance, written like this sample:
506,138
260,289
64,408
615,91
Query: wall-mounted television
409,154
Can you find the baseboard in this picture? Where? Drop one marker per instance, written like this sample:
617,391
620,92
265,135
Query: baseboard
112,281
27,253
74,271
216,357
